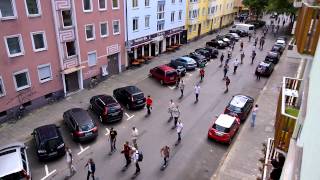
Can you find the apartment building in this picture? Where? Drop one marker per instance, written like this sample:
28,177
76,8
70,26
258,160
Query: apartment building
153,26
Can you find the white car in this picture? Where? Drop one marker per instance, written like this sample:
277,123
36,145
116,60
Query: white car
280,42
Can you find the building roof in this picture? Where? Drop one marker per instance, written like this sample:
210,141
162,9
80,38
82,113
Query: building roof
225,120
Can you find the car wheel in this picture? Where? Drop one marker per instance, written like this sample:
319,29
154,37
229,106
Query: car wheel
128,106
161,82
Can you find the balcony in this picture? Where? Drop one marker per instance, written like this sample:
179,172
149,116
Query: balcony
193,21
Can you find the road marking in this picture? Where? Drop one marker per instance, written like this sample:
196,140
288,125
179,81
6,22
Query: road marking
82,149
47,172
172,87
108,131
129,117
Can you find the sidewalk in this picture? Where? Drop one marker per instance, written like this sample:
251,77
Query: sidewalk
242,160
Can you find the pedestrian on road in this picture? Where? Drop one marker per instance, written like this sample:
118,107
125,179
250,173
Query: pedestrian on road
113,138
197,91
242,57
126,152
165,153
149,104
258,73
253,56
254,114
225,70
91,169
135,157
249,35
179,130
241,45
176,115
256,41
134,136
72,169
227,84
201,74
235,67
170,109
178,79
283,22
221,59
181,88
229,53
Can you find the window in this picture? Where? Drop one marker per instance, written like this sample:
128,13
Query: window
104,31
102,5
33,8
147,3
87,5
190,28
116,27
38,41
44,73
172,16
160,25
92,59
21,80
160,12
71,49
67,19
135,24
7,9
180,15
173,1
203,11
134,3
180,1
14,45
115,4
2,89
89,32
147,21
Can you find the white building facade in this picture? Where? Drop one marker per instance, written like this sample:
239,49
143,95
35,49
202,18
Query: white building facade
153,26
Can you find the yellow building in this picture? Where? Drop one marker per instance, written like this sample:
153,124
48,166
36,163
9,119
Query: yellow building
204,16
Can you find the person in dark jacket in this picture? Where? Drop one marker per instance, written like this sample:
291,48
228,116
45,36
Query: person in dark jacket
127,151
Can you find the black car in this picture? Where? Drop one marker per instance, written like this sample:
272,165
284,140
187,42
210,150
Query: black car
217,44
48,142
240,106
130,96
224,39
106,108
257,23
278,49
231,37
213,52
200,59
80,124
265,68
273,57
180,69
204,53
240,32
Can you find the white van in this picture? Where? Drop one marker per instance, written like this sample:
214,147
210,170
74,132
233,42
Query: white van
249,28
14,162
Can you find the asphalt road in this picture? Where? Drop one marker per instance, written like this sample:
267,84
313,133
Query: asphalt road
195,157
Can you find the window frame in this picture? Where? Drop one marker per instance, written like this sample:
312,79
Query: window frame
180,15
38,6
14,10
106,6
92,52
93,32
117,33
63,26
105,22
172,16
135,7
42,66
91,7
147,27
3,87
28,79
137,29
75,49
44,41
20,43
118,3
145,3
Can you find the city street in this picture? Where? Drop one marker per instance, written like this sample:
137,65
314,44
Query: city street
195,157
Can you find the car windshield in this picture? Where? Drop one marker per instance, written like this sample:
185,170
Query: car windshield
234,108
220,128
52,143
171,73
138,96
87,127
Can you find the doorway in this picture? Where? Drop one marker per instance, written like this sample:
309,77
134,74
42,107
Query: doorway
113,64
160,46
72,82
199,30
153,49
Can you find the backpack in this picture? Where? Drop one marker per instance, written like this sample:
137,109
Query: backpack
140,156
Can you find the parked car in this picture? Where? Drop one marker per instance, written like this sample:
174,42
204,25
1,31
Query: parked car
232,36
186,62
257,23
165,74
224,39
240,32
266,68
106,108
273,57
224,128
240,106
280,42
14,162
277,49
201,60
48,142
80,124
130,96
180,69
217,44
284,38
213,51
204,53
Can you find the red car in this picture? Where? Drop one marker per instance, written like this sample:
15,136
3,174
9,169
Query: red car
224,128
165,74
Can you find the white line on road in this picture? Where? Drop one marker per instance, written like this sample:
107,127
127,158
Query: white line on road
47,172
172,87
129,117
108,131
82,149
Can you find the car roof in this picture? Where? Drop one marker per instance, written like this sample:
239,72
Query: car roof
47,131
225,120
80,115
166,68
186,58
10,159
272,53
280,41
265,63
239,100
106,98
234,34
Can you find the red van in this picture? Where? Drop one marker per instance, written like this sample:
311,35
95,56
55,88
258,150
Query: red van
165,74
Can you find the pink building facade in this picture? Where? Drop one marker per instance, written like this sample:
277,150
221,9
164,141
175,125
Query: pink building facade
55,47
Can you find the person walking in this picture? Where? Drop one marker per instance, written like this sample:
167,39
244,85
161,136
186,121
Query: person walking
262,43
227,84
134,136
249,35
225,70
126,152
256,41
149,104
201,74
165,153
170,109
178,79
258,73
179,130
135,157
113,138
235,66
221,59
181,88
253,56
241,45
197,91
176,115
242,57
91,168
254,115
72,169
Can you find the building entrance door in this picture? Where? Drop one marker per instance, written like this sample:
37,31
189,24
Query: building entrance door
113,64
160,46
153,49
72,82
199,30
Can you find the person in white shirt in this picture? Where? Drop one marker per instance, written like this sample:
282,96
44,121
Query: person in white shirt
176,115
135,158
179,130
170,109
197,91
235,67
254,115
71,168
134,136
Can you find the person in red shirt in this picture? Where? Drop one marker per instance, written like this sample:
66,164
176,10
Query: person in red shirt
149,104
201,74
126,151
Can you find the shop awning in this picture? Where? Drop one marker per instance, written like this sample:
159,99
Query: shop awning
73,69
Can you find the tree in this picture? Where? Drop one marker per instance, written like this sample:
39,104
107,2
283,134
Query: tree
281,6
256,7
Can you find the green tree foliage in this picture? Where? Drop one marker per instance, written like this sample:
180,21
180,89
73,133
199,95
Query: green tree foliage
281,6
256,6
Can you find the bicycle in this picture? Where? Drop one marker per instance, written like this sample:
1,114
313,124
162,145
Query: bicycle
55,97
93,82
15,115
